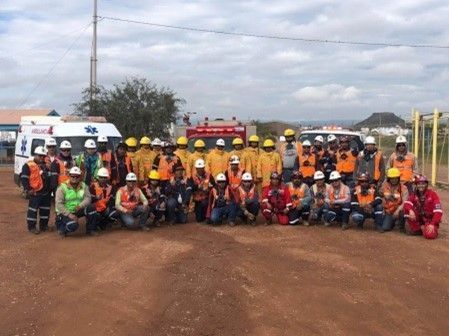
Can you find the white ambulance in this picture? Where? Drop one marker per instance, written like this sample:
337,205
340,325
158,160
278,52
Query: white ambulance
34,130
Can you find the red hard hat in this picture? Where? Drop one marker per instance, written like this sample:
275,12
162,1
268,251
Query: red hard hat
420,178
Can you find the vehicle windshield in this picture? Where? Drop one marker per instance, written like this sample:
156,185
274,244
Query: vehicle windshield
356,142
78,143
210,142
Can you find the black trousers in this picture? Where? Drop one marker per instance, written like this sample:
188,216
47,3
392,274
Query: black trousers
66,225
38,204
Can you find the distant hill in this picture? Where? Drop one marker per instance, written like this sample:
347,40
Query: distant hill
381,119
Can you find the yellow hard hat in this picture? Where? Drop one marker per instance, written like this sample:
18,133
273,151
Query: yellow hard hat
393,173
268,143
145,141
199,143
237,141
253,138
131,142
154,175
182,141
289,132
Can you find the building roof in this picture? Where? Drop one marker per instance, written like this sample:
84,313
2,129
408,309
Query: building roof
12,116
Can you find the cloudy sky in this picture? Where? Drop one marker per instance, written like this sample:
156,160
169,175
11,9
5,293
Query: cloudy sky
230,75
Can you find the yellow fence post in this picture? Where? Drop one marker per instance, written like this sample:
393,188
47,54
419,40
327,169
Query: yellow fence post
416,133
436,116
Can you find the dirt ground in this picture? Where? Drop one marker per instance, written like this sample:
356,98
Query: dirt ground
200,280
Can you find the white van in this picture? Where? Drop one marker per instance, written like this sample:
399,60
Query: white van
33,131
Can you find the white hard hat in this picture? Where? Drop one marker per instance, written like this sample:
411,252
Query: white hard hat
401,139
318,175
335,175
220,178
40,150
319,138
65,145
50,142
234,159
131,177
200,163
156,142
75,171
103,172
220,142
331,137
282,138
90,144
306,143
102,138
247,177
370,140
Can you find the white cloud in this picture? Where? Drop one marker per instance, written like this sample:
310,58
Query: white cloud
329,93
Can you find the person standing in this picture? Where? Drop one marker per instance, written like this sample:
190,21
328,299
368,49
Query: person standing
346,158
370,161
107,156
181,150
35,179
217,160
290,152
269,162
123,166
199,153
404,161
89,161
61,165
144,159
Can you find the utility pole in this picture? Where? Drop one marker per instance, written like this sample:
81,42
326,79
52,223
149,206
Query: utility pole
93,59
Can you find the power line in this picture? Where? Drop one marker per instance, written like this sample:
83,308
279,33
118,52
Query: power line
275,37
44,77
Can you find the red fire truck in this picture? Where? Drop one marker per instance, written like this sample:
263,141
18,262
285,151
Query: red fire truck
211,130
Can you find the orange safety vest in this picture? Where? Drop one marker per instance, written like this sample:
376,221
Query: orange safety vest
203,183
377,158
36,181
128,163
165,168
344,191
129,200
227,195
106,158
391,200
297,193
307,170
103,196
246,195
345,162
63,172
367,199
405,167
235,178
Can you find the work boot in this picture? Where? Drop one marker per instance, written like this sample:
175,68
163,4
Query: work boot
305,223
35,231
231,223
345,226
145,228
327,223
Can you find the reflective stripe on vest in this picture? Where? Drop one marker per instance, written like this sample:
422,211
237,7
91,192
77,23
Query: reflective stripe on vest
405,167
103,195
129,200
391,200
365,199
246,195
235,178
72,197
297,193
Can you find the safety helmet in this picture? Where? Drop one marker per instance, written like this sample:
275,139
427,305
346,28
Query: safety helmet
393,173
220,178
363,177
370,140
331,137
154,175
145,140
247,177
220,142
156,142
401,139
335,175
237,141
75,171
318,175
131,142
200,163
268,143
234,159
289,132
103,172
319,138
65,145
306,143
296,175
282,138
50,142
40,150
167,144
275,176
199,144
253,138
131,177
182,141
102,138
420,179
90,144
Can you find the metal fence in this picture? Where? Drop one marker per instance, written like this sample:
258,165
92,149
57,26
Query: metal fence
430,144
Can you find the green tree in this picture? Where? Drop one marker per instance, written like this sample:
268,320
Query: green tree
137,107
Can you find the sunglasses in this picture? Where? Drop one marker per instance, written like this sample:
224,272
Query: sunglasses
75,176
65,150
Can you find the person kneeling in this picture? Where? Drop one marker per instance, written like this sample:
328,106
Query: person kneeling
221,203
73,201
301,199
156,200
339,202
131,204
248,202
101,193
276,200
178,192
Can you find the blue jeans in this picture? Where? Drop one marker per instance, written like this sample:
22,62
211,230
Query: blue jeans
175,212
338,214
359,216
129,218
389,222
228,211
317,213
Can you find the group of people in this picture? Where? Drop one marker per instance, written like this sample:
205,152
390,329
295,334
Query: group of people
297,183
